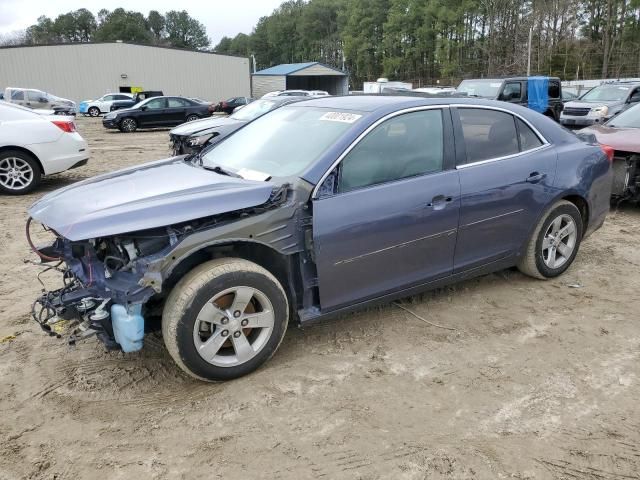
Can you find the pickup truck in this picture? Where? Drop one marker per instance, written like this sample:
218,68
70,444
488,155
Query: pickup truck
140,96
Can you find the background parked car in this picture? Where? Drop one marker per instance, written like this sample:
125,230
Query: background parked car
156,112
622,135
193,136
33,145
93,108
37,99
600,104
227,106
137,98
542,94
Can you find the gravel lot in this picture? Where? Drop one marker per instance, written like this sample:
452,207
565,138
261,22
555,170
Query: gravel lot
536,379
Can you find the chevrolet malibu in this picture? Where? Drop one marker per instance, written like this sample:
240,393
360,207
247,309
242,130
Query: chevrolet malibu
312,210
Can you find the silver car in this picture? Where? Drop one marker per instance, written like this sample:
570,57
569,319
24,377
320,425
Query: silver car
600,104
39,100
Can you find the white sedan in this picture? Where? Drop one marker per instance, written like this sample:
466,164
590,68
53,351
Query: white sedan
34,145
103,104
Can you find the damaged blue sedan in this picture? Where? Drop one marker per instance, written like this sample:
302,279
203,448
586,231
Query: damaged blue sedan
312,210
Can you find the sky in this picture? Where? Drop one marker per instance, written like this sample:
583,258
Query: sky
221,17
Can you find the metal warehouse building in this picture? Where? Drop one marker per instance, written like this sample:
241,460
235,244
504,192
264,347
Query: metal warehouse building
89,70
300,76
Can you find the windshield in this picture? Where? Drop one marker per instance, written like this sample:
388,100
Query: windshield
480,88
253,110
607,93
627,119
281,143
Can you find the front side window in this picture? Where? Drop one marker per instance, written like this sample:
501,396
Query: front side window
283,142
488,134
512,91
404,146
34,95
155,104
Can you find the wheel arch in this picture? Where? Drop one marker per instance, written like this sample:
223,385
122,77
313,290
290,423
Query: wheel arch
583,206
25,150
278,264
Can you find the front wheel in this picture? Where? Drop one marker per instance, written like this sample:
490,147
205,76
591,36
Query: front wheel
94,111
554,243
224,319
128,125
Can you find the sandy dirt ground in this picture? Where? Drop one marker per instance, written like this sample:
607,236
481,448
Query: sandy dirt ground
537,380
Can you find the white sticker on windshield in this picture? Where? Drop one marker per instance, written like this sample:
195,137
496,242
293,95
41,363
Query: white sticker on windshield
340,117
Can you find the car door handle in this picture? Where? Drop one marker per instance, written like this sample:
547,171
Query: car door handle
439,201
535,177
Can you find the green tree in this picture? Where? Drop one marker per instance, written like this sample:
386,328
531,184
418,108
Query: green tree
121,24
156,23
184,31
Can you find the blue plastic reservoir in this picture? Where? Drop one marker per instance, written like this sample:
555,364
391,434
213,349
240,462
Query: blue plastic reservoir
128,326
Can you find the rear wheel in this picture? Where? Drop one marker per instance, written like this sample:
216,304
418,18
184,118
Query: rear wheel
224,319
19,172
191,118
554,243
94,111
128,125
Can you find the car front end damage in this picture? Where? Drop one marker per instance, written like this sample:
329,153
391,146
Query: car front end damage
113,285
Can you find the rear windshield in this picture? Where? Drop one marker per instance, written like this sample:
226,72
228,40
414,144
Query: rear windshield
607,93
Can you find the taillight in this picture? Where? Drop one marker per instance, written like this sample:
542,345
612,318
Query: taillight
65,125
224,104
608,150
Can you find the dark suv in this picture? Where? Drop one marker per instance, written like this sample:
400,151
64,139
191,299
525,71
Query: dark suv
542,94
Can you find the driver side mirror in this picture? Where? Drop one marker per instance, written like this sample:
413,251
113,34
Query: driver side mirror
143,108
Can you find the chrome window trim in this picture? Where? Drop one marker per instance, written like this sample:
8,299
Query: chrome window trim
314,194
506,157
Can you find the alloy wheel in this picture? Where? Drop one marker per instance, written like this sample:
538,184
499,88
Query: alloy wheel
128,125
15,173
559,241
233,326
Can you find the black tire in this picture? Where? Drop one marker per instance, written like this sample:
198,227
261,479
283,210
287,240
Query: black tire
128,125
187,299
93,112
29,169
533,262
192,117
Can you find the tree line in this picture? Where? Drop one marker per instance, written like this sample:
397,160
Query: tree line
175,29
426,41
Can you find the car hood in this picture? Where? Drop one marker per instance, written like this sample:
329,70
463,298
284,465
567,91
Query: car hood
625,139
190,128
152,195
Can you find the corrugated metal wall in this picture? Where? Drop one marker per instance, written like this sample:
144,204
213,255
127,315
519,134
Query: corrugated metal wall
267,83
87,71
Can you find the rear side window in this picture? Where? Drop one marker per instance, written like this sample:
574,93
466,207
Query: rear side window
17,95
554,89
488,134
404,146
528,139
